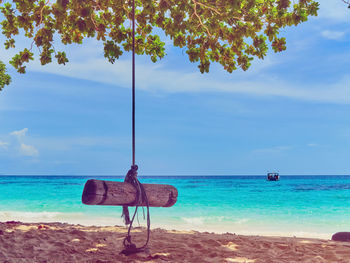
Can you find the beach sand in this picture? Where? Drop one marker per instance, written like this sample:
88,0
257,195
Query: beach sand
59,242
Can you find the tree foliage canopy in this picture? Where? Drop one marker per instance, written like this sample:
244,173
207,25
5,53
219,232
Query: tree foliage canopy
230,32
5,79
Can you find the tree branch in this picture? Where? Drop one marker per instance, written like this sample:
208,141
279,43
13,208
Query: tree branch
198,17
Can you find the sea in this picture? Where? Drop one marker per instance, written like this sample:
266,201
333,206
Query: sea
301,206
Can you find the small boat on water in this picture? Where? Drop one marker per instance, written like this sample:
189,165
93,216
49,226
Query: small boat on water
273,176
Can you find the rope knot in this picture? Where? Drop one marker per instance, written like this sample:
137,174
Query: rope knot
127,242
131,177
131,174
130,248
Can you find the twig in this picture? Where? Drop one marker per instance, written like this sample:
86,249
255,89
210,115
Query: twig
199,18
206,6
31,46
93,21
195,3
92,18
41,11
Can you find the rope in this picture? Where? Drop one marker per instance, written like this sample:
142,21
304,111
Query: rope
131,176
133,82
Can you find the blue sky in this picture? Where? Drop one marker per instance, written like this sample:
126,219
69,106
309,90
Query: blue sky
288,112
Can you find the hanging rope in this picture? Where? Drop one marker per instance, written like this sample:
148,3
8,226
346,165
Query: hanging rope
133,82
131,176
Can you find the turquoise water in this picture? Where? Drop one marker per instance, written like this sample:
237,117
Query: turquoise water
312,206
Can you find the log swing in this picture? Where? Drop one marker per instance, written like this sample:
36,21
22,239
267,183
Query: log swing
130,192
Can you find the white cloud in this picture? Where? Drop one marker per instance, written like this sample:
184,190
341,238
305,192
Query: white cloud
4,145
334,10
312,145
22,148
334,35
275,149
28,150
19,134
157,78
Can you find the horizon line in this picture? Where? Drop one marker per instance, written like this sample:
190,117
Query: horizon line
178,175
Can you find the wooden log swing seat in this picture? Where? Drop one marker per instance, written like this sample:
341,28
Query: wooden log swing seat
98,192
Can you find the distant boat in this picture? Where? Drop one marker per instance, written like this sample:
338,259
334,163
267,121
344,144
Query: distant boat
273,176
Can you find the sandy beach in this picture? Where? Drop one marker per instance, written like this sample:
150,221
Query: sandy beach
59,242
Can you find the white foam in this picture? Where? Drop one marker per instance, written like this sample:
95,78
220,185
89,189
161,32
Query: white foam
49,217
214,219
194,220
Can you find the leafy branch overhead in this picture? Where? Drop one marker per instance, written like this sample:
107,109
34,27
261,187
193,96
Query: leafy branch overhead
228,32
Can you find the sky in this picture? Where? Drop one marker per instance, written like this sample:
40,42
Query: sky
287,113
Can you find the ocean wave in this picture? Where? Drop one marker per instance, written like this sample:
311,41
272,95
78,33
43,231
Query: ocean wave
322,187
49,217
194,220
201,220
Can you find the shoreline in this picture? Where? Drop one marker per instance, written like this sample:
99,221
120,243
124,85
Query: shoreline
62,242
107,221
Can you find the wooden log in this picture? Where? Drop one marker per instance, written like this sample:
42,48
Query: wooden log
98,192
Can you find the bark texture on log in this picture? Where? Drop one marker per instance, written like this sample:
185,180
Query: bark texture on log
98,192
